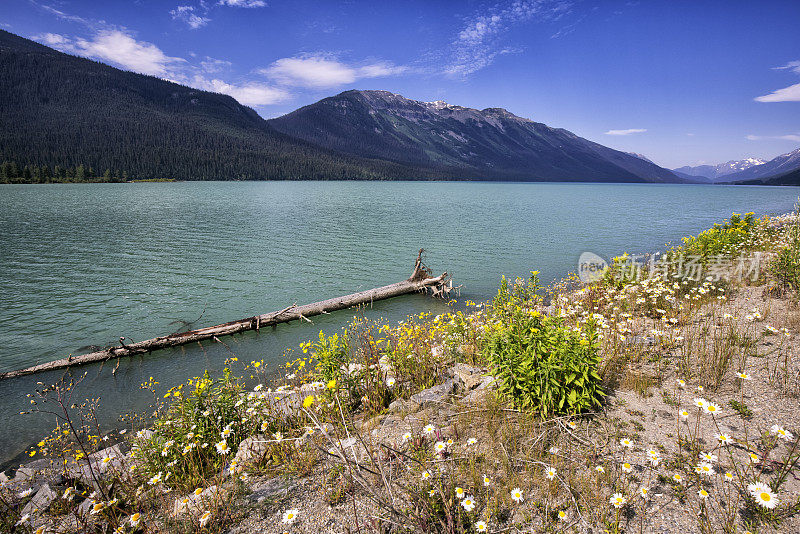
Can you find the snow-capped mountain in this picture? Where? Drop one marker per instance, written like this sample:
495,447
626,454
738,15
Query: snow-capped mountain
774,168
715,173
455,140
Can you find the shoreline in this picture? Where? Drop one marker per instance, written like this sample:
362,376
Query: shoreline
406,180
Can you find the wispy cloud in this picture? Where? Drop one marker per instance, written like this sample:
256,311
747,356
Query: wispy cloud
787,94
629,131
69,17
188,15
323,71
787,137
480,42
212,65
243,3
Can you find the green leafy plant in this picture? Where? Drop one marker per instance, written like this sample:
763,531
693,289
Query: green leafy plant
331,353
541,364
786,265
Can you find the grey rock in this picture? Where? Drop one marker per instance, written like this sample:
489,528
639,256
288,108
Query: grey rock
269,489
145,433
85,507
252,450
34,475
41,501
435,395
81,471
399,405
286,403
480,393
468,376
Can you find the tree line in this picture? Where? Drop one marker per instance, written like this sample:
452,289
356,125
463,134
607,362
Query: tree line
12,173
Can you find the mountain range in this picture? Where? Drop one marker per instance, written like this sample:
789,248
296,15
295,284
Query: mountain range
777,171
58,110
61,111
715,173
488,143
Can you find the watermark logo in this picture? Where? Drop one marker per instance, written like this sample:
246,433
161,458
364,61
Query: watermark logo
591,267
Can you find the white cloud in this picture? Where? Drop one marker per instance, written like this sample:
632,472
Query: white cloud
187,15
787,137
249,94
478,44
629,131
120,48
117,47
320,71
53,39
243,3
787,94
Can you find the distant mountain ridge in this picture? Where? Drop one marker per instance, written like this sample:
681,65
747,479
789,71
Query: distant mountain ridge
716,172
490,143
774,170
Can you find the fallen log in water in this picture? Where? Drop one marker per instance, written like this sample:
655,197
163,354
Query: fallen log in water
420,280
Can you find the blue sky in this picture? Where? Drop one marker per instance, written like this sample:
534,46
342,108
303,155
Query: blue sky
682,82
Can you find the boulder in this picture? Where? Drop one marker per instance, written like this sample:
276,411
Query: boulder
469,377
41,501
270,488
435,395
33,475
289,402
252,450
399,405
103,462
480,393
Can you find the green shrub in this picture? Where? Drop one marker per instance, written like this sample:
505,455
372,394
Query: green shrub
733,237
786,266
331,354
541,364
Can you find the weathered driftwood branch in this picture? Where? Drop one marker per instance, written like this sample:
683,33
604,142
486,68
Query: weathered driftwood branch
420,280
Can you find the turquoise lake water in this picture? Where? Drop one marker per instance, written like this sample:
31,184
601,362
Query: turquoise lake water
82,265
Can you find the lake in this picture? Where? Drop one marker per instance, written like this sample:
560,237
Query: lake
85,264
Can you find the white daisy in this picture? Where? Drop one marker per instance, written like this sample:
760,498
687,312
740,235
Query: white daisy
617,500
290,515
